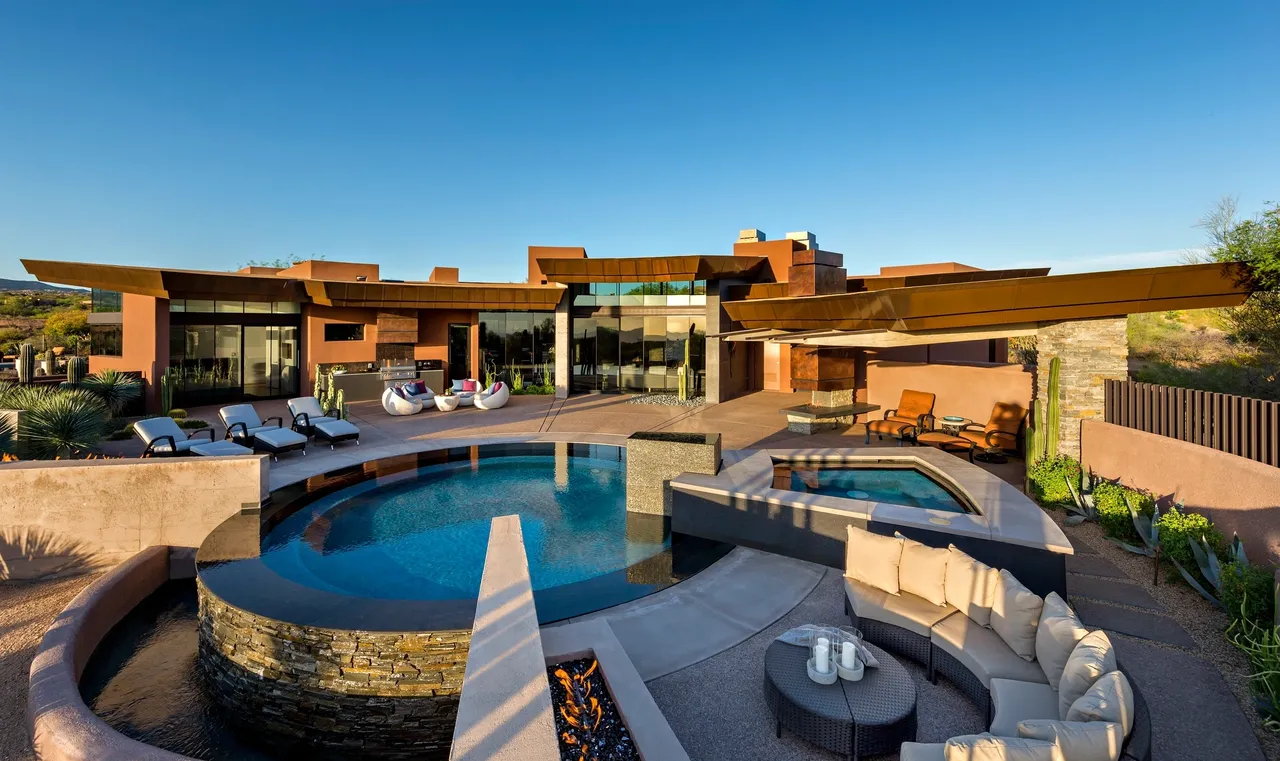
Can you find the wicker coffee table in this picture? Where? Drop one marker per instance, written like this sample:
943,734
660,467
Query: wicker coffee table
870,717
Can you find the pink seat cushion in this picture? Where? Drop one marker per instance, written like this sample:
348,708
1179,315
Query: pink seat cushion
497,387
468,385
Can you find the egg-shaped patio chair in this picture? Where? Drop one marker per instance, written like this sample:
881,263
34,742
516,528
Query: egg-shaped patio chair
493,397
395,404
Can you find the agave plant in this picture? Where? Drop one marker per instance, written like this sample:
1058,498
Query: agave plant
1210,568
1083,507
114,388
6,436
1148,530
64,423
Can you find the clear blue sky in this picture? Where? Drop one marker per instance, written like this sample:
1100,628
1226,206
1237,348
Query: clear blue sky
204,134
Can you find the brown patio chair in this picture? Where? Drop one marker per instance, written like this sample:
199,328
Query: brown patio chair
1001,431
913,413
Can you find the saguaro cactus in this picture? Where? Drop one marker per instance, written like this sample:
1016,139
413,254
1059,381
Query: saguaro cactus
26,363
77,368
168,382
1052,413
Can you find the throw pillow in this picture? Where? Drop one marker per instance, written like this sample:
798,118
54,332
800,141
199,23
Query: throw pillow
1109,699
469,385
496,388
1092,657
1056,637
923,570
457,385
988,747
873,559
1079,740
398,391
1015,614
970,586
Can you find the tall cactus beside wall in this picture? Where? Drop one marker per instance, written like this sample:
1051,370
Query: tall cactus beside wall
318,391
1052,414
168,383
77,368
340,404
26,363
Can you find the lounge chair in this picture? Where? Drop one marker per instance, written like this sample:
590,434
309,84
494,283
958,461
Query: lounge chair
165,438
395,403
1000,432
493,397
913,414
246,428
310,420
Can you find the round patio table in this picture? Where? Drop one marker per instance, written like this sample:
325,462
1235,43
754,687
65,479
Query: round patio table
446,403
870,717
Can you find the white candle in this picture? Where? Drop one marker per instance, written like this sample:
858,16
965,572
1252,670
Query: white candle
821,654
846,655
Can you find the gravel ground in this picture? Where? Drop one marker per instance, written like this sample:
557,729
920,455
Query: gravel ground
1205,623
669,400
717,708
26,610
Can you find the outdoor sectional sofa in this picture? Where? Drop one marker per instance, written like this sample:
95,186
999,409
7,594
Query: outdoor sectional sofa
1041,677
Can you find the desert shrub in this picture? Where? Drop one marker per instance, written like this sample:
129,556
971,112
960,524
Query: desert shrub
1048,478
178,413
191,425
1248,592
1113,513
1178,529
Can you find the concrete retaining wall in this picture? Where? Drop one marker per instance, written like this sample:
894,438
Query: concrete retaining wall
62,727
65,517
1239,495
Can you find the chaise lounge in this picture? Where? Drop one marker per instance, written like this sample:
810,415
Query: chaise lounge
246,428
165,438
1051,688
913,414
310,420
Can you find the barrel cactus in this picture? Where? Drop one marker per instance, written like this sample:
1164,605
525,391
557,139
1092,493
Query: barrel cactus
77,368
26,363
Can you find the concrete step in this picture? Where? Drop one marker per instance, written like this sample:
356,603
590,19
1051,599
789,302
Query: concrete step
1108,590
1094,565
1134,623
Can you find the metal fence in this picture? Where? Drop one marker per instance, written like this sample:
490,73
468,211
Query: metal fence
1238,425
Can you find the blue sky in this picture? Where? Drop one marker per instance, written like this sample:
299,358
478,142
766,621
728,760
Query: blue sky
204,134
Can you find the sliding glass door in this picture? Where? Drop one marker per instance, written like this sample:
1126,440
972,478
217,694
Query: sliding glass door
223,364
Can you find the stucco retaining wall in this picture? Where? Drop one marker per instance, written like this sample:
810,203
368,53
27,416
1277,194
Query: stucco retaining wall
62,517
965,390
1239,495
388,694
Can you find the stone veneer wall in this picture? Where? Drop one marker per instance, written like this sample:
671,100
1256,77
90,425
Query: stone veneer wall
391,695
654,458
1092,352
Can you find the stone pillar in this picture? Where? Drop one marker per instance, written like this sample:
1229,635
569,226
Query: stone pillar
653,459
717,350
564,347
1092,352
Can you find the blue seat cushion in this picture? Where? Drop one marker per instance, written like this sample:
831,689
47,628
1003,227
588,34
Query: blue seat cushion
457,385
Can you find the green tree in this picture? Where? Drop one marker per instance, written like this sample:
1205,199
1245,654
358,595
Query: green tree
62,326
281,263
10,338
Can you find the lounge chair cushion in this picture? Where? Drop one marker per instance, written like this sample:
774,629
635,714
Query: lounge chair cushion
987,747
913,404
220,449
970,586
923,571
1002,429
1015,701
982,651
279,438
154,428
308,405
337,429
922,752
893,426
873,559
1056,637
1109,699
1079,740
1015,614
906,611
1092,657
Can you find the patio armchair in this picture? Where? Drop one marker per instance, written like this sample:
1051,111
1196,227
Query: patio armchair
1000,432
914,413
493,397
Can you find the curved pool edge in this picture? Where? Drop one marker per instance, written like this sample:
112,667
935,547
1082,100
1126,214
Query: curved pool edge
62,726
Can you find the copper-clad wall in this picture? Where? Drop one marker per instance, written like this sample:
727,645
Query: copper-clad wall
651,269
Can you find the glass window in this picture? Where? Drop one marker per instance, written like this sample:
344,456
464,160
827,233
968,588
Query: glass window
631,353
699,296
544,340
519,355
106,340
230,307
607,354
343,331
584,294
106,301
584,354
655,294
606,294
199,305
631,294
177,305
678,293
493,340
655,351
286,307
257,307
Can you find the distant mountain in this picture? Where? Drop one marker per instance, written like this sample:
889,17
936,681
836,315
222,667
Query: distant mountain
35,285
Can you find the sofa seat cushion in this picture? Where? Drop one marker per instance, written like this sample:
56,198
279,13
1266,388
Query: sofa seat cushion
1015,701
915,614
983,652
872,559
1056,637
987,747
970,585
1079,740
922,752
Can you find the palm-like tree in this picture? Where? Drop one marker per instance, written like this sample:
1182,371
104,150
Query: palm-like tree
114,388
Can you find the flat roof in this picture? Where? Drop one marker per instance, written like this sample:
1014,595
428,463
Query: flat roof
660,269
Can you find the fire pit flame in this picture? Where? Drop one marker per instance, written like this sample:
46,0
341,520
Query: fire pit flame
590,726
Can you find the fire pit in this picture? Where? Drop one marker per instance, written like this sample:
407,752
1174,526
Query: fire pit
588,724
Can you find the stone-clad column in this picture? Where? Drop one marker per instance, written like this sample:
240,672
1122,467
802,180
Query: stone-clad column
564,347
1092,352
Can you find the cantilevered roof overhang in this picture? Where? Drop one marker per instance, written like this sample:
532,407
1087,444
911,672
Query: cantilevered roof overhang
1005,303
646,269
196,284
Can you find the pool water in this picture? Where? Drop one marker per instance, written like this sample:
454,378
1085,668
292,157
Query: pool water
893,485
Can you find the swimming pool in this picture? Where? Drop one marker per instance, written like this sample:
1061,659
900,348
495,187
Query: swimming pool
879,482
403,541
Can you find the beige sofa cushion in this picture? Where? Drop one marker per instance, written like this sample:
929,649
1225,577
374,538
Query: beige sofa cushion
873,559
923,570
987,747
1015,614
1079,740
1092,657
922,752
915,614
1109,699
982,651
970,586
1056,636
1013,702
